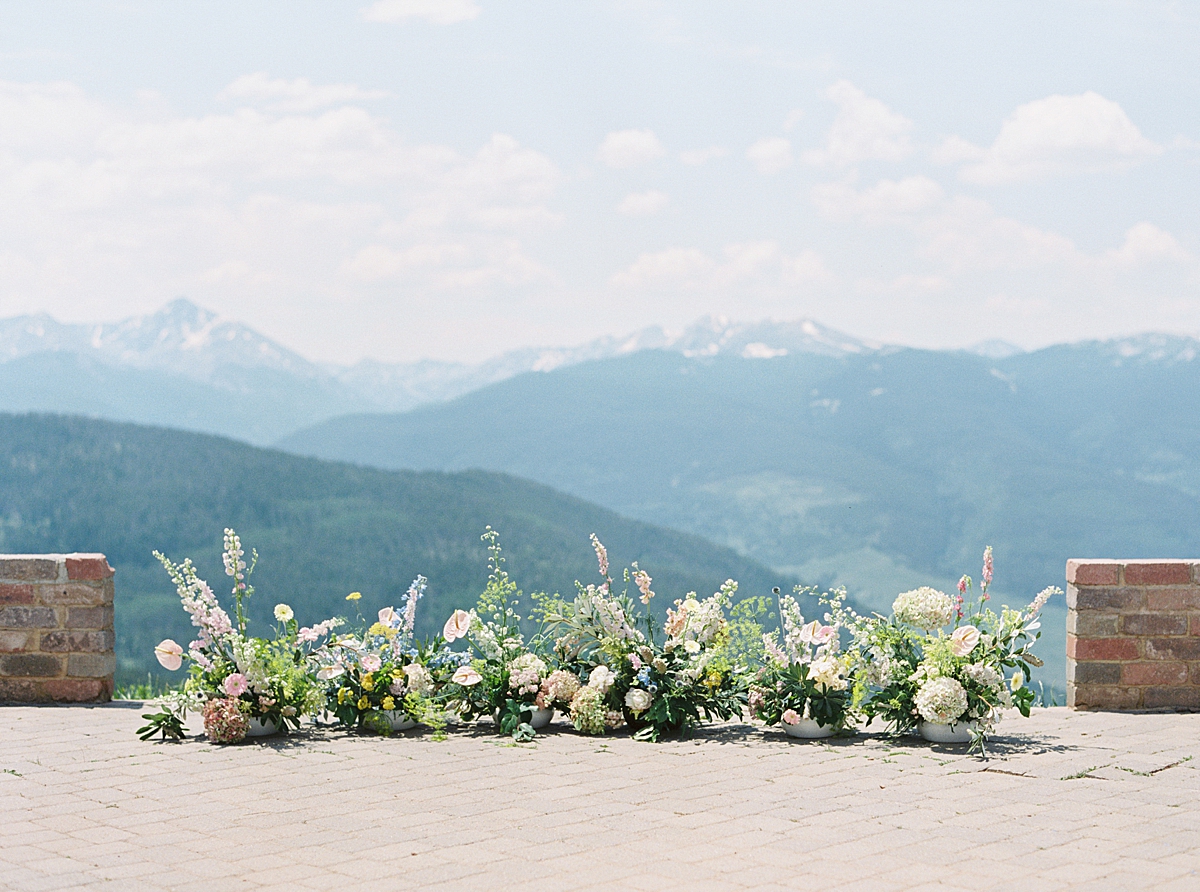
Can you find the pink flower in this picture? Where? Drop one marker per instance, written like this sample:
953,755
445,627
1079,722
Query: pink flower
824,634
963,584
466,676
790,717
987,568
387,616
371,663
235,685
963,641
169,654
307,634
457,625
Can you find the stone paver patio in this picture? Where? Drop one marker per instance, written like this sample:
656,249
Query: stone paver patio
1066,801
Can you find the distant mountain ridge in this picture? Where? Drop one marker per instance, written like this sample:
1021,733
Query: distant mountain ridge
221,376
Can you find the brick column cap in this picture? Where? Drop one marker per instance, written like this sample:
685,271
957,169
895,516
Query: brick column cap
1133,571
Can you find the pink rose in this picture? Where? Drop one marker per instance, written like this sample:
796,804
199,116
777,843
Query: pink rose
235,685
790,717
963,641
457,625
169,654
466,676
371,663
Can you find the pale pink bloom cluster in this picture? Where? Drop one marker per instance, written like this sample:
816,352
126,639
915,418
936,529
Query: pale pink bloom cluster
1040,601
985,578
371,663
525,674
642,580
558,689
601,555
310,634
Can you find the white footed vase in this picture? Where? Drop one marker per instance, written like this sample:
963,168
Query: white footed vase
541,718
400,721
262,728
807,729
959,732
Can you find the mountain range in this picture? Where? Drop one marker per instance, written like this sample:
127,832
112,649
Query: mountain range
184,366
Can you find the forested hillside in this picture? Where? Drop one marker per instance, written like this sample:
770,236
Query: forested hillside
321,528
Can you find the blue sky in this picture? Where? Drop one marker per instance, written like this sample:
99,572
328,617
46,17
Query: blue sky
455,178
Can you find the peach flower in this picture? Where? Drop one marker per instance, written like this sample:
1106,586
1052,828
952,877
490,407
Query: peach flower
466,676
457,625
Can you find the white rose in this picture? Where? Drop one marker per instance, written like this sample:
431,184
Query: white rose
638,700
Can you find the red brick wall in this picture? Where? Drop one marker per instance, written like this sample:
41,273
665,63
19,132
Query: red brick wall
56,628
1133,634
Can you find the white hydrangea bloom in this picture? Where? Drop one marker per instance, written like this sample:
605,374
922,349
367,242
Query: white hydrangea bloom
925,607
941,700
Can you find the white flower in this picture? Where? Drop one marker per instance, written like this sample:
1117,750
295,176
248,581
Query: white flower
980,673
327,672
925,607
941,701
602,679
419,679
283,613
963,641
691,647
827,672
638,700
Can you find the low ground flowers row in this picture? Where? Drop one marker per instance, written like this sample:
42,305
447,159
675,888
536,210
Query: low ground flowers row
938,665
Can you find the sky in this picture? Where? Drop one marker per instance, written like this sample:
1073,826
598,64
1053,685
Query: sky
452,179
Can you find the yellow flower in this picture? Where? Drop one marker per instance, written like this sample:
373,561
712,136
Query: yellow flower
343,695
380,629
388,703
368,682
363,702
353,596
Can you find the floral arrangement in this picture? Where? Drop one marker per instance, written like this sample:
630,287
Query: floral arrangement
236,677
657,689
805,678
383,678
498,675
912,670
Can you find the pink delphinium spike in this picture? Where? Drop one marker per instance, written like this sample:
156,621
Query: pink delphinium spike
986,577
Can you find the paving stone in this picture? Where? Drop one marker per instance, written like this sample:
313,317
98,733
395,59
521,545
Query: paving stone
1067,800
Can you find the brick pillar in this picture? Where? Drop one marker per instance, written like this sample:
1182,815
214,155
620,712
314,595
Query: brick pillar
1133,634
56,628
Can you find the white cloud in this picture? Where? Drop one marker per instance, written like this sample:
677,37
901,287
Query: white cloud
698,157
771,155
1053,136
436,12
630,148
748,263
294,95
254,205
1146,243
643,204
883,202
864,130
794,117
